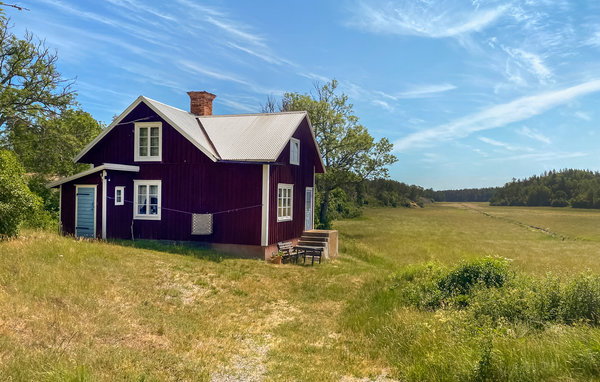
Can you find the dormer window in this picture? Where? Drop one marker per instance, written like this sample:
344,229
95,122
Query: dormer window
148,141
294,151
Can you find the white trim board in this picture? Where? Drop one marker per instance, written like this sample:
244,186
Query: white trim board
105,166
264,228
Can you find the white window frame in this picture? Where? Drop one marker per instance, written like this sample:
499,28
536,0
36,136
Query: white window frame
285,218
146,216
136,144
294,160
122,190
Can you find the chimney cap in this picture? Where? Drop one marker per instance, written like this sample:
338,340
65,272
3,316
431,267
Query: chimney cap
203,93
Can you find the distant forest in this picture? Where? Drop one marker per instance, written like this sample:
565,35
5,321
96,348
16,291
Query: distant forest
575,188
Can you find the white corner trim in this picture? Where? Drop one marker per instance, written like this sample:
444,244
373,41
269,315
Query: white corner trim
104,200
136,142
264,230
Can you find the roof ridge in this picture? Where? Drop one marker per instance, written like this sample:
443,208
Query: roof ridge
164,104
252,114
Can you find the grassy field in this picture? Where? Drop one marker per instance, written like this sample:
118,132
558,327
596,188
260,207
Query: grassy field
78,310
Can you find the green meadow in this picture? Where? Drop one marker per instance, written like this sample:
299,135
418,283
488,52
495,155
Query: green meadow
450,292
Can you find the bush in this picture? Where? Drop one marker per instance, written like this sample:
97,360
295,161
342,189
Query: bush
581,299
490,293
488,272
16,200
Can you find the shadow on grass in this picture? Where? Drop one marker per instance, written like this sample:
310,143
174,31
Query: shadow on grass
198,250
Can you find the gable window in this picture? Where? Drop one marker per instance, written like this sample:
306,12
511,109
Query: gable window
119,195
146,199
148,141
294,151
285,201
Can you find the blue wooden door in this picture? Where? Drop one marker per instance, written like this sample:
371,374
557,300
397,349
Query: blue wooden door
86,209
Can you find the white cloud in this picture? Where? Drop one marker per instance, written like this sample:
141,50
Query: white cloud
426,19
545,156
420,91
534,134
496,116
504,145
382,104
530,62
583,115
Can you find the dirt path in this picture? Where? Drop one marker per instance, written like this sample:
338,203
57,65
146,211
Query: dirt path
545,231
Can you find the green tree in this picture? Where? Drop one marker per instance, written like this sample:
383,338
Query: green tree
16,200
49,146
349,152
31,88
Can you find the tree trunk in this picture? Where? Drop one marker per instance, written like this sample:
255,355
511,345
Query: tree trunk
324,219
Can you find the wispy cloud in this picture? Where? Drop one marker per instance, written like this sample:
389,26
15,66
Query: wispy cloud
583,115
426,19
534,134
420,91
504,145
496,116
382,104
530,62
542,157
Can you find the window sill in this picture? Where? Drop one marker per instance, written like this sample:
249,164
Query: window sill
142,217
281,220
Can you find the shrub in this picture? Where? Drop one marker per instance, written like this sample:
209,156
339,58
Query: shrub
489,272
16,200
581,299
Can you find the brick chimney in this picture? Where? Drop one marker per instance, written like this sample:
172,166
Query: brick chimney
201,102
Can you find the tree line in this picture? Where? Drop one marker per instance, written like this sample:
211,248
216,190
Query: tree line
568,187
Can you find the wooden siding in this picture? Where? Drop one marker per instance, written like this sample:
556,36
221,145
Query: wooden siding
67,211
300,176
191,183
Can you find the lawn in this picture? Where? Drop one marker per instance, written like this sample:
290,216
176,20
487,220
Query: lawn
79,310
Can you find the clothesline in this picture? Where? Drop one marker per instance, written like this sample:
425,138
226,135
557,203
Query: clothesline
192,213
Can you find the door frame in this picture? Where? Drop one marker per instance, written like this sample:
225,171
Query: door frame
95,187
312,217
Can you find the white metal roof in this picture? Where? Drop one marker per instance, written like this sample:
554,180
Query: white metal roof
251,137
105,166
241,137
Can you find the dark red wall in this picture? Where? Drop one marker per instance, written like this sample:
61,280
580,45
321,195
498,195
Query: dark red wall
301,176
191,182
67,208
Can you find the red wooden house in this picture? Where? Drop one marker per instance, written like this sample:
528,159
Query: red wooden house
239,182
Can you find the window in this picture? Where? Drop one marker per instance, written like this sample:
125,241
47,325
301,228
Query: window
119,195
294,151
148,141
285,194
146,204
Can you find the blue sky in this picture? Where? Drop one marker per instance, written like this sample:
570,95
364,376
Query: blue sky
471,93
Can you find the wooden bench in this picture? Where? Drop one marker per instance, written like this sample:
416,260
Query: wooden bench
306,250
290,254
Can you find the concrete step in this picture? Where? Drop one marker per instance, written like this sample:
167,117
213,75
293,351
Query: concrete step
315,238
315,234
312,243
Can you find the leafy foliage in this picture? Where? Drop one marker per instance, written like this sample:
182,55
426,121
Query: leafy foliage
49,146
465,195
16,200
577,188
349,152
31,89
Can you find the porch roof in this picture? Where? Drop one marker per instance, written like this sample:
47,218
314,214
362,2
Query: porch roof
104,166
